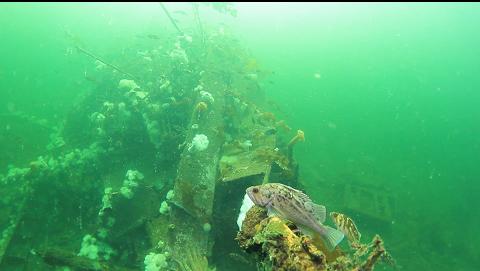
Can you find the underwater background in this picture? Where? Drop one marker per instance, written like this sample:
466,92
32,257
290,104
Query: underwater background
387,95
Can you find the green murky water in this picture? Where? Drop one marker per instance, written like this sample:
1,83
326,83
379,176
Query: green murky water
387,95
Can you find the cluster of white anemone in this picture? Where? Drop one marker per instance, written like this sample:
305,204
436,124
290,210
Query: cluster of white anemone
199,143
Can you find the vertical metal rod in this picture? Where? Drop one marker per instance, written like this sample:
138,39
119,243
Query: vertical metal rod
103,61
171,18
197,17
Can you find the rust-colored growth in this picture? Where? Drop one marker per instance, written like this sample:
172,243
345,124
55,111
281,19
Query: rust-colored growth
253,218
330,255
277,245
279,248
199,109
201,106
283,125
268,116
271,155
194,259
34,166
300,136
184,193
378,251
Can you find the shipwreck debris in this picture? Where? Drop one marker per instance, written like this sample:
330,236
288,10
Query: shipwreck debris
277,245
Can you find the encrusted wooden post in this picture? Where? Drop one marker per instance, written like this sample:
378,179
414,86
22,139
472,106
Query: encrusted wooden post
194,188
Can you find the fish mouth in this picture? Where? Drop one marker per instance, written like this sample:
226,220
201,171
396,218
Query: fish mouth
251,196
249,193
253,193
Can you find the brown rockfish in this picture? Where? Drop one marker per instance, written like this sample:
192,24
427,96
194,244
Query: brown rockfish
346,225
295,206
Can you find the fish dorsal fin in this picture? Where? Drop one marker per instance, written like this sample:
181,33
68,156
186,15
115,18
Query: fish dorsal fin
302,195
319,212
299,194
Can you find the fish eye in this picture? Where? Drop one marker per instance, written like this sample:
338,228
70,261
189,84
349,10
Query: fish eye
255,190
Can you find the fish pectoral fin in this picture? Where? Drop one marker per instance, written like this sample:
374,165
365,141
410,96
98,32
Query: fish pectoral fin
307,231
318,211
332,237
272,212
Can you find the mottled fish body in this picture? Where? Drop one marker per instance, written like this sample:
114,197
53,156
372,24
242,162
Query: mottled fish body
294,205
346,225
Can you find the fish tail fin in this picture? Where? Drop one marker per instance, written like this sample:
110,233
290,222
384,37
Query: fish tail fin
332,237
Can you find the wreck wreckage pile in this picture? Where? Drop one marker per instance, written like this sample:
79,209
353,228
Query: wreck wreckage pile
149,170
